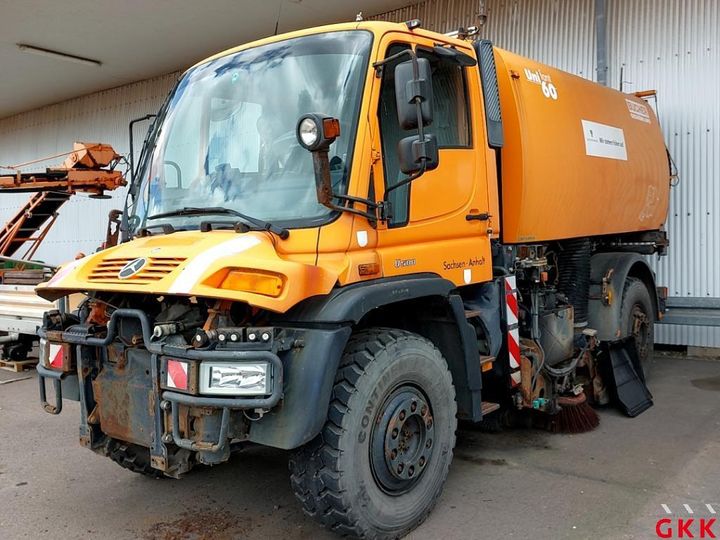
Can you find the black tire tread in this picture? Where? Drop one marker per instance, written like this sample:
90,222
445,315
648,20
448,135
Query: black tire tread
314,476
128,457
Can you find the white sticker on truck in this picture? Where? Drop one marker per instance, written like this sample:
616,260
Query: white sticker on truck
638,111
604,141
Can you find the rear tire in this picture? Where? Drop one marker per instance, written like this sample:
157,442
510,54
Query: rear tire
380,463
637,320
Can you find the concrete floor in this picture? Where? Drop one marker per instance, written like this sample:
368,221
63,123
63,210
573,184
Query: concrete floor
518,484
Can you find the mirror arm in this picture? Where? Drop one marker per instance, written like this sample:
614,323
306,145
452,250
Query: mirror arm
351,209
418,106
420,128
367,215
325,195
124,227
132,149
351,199
407,52
407,180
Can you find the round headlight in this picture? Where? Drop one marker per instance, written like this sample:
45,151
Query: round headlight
309,132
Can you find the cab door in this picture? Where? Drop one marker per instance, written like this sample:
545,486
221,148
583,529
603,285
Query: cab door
439,222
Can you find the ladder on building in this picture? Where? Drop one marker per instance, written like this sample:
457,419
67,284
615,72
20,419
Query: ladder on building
31,224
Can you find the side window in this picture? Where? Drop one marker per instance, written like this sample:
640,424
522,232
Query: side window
450,124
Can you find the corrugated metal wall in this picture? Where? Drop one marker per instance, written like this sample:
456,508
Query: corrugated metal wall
100,117
555,32
669,45
672,46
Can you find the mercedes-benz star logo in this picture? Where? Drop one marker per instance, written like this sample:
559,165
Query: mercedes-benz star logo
132,268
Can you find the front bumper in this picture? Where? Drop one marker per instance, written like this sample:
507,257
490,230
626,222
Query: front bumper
164,423
170,400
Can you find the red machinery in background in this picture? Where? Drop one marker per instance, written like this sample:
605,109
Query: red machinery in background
89,168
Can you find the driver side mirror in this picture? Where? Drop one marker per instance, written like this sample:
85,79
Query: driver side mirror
413,82
412,152
414,98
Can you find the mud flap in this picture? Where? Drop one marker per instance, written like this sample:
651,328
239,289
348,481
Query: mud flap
623,373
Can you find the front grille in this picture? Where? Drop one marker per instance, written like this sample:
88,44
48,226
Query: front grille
155,269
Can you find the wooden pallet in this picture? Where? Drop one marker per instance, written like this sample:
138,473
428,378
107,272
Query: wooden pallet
22,277
18,366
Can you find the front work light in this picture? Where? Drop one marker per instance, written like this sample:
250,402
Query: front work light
308,132
236,378
316,132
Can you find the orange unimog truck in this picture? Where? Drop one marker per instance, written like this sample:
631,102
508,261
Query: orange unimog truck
343,240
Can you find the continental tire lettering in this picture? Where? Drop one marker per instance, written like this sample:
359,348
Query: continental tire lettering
365,420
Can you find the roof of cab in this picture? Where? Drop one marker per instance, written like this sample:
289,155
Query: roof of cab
376,27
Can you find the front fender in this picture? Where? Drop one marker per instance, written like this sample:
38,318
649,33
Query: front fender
327,322
352,302
309,376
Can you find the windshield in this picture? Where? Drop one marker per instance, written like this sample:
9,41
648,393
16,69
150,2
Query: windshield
228,139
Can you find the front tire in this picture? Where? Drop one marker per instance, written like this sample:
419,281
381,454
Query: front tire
380,463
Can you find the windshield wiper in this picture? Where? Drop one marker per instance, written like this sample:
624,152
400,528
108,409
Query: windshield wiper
196,211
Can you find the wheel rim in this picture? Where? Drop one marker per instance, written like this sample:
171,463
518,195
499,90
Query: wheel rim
640,330
402,440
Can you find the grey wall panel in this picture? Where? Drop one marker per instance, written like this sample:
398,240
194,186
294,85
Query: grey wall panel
101,117
555,32
673,46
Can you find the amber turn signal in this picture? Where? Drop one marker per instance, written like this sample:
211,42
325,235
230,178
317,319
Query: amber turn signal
331,128
254,281
368,269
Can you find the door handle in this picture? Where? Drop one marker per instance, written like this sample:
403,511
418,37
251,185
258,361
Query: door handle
478,217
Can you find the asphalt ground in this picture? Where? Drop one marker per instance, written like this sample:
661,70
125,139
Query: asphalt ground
610,483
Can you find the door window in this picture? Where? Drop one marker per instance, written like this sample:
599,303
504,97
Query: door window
450,124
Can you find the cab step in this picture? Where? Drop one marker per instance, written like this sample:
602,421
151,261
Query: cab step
489,406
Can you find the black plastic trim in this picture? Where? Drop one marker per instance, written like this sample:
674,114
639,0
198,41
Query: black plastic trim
491,93
351,303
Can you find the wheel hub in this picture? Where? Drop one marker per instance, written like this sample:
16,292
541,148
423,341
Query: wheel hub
639,329
402,440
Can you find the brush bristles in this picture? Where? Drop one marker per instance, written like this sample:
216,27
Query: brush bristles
574,419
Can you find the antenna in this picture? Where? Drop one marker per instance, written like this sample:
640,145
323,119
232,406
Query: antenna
277,21
623,82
